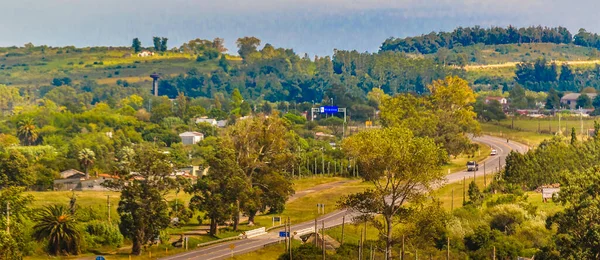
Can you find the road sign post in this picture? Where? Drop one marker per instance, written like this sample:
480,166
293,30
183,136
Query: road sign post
232,246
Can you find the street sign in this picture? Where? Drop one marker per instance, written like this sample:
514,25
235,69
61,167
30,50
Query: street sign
100,257
328,109
276,219
284,234
232,246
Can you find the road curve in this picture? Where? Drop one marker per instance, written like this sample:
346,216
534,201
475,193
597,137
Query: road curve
223,250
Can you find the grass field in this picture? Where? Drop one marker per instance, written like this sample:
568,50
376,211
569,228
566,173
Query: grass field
534,131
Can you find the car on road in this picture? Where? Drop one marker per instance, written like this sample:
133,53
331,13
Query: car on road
472,166
494,152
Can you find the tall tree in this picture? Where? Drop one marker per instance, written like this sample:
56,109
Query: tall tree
143,183
552,101
58,227
163,44
136,45
247,45
157,43
86,158
577,226
583,101
402,168
26,131
262,152
14,245
219,193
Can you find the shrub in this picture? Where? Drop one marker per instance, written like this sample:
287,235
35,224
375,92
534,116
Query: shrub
100,233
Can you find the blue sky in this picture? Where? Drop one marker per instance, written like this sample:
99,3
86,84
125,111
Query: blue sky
311,26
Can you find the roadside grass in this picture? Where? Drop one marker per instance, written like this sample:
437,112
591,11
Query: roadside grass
305,208
269,252
459,163
450,200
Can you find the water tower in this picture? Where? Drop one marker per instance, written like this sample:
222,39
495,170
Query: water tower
155,78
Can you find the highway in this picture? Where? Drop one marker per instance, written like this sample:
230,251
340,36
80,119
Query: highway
223,250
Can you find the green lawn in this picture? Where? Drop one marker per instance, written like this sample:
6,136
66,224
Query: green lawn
309,182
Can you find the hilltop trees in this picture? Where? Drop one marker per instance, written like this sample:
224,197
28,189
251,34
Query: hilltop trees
160,44
466,36
136,45
247,46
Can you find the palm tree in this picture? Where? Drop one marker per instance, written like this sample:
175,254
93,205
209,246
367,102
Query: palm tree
27,131
56,225
86,158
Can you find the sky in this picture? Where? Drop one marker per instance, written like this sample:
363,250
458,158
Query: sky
316,27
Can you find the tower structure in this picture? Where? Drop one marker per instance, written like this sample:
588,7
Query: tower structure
155,78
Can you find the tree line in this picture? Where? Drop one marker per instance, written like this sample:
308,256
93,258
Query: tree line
466,36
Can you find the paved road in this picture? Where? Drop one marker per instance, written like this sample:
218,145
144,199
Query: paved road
223,251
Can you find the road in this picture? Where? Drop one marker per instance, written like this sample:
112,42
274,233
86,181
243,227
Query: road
223,250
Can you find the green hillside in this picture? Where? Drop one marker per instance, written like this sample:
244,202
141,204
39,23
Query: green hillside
20,67
497,54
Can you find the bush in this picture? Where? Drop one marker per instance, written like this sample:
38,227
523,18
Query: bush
103,234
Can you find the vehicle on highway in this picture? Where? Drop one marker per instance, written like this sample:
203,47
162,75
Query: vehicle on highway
472,166
494,152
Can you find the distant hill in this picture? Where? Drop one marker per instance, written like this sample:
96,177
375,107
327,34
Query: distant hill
40,65
526,52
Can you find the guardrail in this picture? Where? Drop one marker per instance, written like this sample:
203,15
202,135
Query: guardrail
254,232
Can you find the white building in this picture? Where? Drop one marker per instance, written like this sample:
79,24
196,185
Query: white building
191,137
145,54
210,121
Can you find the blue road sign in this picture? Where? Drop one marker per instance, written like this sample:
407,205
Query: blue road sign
100,258
284,234
328,109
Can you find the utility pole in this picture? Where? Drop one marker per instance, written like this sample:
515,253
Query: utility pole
452,201
108,206
8,217
316,233
323,237
499,163
494,255
448,248
343,223
484,182
402,256
464,189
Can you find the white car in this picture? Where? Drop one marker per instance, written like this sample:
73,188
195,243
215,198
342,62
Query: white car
494,152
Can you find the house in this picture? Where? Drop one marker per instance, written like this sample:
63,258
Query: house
191,137
76,180
570,100
210,121
71,173
501,100
145,54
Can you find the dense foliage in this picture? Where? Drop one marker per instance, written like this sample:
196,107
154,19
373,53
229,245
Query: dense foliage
432,42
